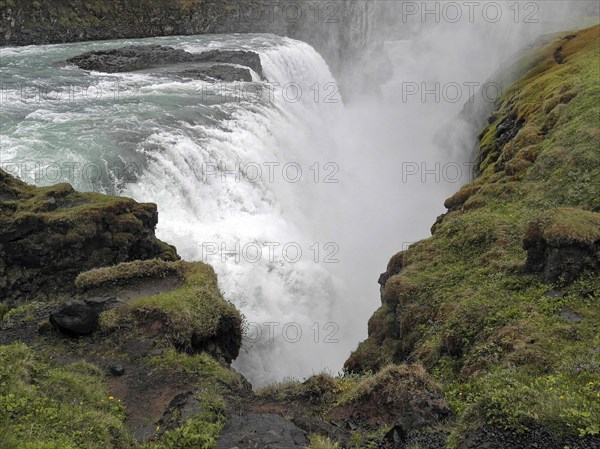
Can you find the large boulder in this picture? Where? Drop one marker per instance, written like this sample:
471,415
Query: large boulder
49,235
80,317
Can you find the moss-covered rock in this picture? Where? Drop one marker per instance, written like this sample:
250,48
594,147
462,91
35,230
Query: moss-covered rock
563,244
403,395
511,333
190,314
49,235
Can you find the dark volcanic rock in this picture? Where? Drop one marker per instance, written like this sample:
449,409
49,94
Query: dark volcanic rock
136,349
141,57
313,425
220,72
569,315
261,431
245,58
536,438
117,370
80,317
129,59
225,344
49,235
182,408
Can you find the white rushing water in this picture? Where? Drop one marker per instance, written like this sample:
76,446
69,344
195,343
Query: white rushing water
295,198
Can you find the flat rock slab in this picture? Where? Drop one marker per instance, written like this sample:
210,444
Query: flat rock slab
570,315
143,57
264,431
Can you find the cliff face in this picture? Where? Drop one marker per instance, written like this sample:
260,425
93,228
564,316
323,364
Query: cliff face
500,305
56,21
50,235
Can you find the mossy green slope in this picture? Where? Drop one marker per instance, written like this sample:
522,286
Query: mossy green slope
511,349
44,406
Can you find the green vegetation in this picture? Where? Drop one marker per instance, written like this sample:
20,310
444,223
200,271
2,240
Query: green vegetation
319,442
126,273
498,340
201,366
4,309
200,432
195,309
566,225
51,234
391,382
321,391
48,406
44,405
26,312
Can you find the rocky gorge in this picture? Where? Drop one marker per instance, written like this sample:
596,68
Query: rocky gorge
487,334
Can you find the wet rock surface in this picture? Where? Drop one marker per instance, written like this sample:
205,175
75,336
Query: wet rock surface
246,58
219,72
144,57
129,59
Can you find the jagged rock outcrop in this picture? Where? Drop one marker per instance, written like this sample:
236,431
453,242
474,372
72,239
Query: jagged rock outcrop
49,235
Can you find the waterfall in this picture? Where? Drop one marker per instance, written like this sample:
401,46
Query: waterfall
296,198
251,226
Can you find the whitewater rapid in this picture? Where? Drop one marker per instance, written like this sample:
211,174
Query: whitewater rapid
236,194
